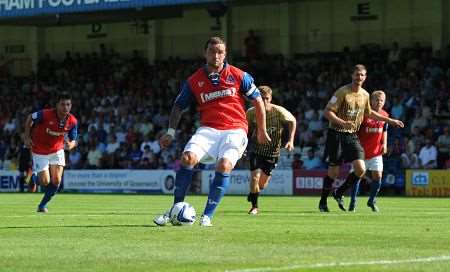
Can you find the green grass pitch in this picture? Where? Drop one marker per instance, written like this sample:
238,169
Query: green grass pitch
116,233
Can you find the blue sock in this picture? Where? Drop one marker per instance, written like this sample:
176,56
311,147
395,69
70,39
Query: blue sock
182,181
354,193
375,186
216,192
50,191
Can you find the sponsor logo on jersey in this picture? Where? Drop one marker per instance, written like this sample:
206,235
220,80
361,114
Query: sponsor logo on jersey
201,83
352,113
54,133
374,130
230,79
206,97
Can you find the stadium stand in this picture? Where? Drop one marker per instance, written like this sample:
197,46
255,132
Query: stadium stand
122,103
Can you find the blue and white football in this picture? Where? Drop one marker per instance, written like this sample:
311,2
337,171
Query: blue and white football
181,214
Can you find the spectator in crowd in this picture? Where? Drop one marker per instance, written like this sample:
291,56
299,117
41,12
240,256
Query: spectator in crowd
135,155
297,163
152,143
252,45
410,159
75,161
398,110
428,155
112,144
147,153
94,156
442,110
315,124
173,163
312,162
420,121
443,145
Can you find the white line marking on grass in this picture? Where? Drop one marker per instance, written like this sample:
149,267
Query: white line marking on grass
340,264
60,215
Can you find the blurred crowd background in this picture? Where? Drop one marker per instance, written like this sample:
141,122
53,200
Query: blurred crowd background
123,104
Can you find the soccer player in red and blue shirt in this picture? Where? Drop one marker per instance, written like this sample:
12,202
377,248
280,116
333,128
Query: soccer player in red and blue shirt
48,132
373,137
219,90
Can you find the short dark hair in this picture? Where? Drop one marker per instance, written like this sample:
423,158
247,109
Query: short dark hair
63,96
359,67
213,41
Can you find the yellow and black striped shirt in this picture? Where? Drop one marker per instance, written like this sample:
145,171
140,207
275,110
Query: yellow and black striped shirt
349,106
276,118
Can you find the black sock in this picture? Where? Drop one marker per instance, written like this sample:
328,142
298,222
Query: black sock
253,198
349,181
326,189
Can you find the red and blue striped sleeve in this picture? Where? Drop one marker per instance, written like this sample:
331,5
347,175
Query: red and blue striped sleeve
248,87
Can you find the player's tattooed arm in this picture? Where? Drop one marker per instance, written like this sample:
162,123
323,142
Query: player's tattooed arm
174,119
175,116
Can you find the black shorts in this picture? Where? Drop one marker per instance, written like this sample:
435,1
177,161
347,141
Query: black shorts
266,164
342,147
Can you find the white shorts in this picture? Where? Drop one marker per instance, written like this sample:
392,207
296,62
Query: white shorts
373,164
210,145
42,162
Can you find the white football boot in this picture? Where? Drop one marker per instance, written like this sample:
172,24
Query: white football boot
205,221
162,219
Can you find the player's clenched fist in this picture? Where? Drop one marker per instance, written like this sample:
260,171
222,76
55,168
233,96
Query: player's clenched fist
165,140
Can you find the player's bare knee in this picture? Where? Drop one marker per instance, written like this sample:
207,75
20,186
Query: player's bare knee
44,179
360,171
224,166
255,177
188,159
376,175
262,184
56,182
359,168
333,171
263,181
254,180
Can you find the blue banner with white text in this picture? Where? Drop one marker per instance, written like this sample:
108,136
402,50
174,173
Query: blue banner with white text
19,8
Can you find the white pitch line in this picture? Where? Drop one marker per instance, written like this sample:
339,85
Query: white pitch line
60,215
341,264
